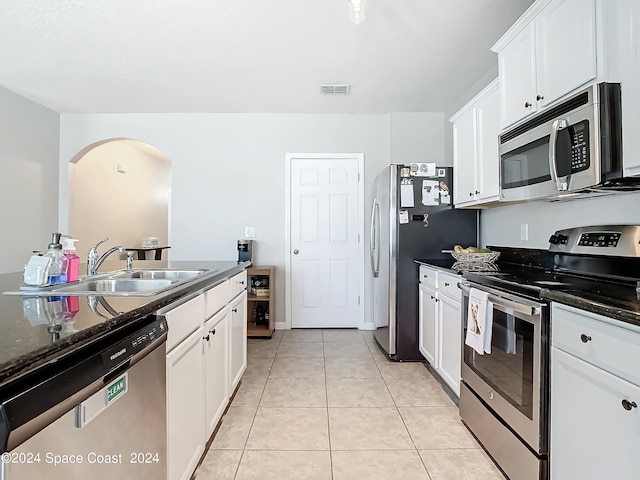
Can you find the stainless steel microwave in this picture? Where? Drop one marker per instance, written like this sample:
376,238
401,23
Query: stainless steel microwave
573,148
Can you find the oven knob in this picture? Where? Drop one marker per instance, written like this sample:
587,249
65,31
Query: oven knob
553,240
563,239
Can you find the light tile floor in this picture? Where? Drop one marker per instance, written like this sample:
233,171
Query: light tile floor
326,404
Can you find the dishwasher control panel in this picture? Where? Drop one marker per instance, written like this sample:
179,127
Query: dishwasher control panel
122,351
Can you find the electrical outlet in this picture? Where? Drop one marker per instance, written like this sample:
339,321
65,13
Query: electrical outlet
524,231
250,232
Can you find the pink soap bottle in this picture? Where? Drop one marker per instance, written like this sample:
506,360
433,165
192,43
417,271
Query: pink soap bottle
69,251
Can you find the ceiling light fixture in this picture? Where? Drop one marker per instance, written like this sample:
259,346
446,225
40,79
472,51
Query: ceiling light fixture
356,11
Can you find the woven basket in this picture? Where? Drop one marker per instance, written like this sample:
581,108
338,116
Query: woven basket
475,257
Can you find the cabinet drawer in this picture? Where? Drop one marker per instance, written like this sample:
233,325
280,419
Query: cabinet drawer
598,340
183,320
238,284
428,276
217,297
448,285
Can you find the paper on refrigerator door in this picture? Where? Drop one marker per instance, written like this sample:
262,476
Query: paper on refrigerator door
430,192
403,216
406,195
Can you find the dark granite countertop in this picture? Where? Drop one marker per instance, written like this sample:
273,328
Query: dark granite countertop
614,300
627,311
446,265
36,331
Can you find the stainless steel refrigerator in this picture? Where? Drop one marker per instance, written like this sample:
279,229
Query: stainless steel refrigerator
412,218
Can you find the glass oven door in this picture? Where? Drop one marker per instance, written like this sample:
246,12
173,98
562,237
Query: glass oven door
510,379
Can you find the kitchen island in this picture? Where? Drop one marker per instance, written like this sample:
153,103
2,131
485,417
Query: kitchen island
35,331
42,336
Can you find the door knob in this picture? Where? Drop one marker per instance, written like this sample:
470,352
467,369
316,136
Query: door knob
295,252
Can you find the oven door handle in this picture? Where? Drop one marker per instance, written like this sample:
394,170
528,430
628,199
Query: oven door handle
519,305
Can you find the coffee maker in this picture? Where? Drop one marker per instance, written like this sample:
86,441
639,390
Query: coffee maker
245,251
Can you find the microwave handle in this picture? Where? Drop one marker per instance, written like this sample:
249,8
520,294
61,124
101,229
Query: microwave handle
561,183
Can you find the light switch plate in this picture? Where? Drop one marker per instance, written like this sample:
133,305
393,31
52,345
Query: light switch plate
250,232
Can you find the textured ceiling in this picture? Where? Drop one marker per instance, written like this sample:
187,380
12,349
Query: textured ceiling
248,55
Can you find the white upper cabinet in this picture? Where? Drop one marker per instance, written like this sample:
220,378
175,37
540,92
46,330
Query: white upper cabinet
465,156
550,52
476,166
628,47
565,48
516,64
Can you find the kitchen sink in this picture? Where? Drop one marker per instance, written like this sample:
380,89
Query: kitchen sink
115,286
168,274
139,282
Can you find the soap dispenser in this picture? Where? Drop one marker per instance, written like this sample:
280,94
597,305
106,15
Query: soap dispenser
59,263
69,251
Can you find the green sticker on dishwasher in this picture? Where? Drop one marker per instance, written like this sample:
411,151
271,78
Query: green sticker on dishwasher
117,388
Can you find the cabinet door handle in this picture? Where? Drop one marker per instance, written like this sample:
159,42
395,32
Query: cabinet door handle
446,284
471,194
527,104
206,338
540,97
235,310
585,338
477,192
628,405
212,332
241,283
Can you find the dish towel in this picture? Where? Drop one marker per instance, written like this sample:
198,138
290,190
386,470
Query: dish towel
479,322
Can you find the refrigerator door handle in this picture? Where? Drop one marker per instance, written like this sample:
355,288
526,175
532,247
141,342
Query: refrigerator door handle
374,247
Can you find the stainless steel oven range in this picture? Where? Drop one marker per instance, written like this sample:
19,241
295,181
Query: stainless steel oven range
510,385
504,395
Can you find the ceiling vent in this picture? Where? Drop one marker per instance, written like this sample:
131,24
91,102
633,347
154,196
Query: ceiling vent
335,89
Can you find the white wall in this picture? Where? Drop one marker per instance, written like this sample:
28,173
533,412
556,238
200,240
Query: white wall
501,225
120,189
229,172
419,138
29,144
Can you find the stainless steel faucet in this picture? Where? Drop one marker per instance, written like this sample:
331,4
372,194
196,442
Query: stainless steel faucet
94,261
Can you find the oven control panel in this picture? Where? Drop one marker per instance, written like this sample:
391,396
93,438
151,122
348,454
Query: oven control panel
606,240
599,239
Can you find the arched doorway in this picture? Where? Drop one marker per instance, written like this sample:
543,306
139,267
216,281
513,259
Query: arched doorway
119,188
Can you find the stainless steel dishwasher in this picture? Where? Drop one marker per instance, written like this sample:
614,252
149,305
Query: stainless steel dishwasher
99,414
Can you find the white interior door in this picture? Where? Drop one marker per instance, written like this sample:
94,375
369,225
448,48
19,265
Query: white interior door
325,223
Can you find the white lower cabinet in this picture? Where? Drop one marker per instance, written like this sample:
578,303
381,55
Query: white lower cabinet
185,406
216,336
593,435
428,324
440,324
238,340
450,348
595,414
206,358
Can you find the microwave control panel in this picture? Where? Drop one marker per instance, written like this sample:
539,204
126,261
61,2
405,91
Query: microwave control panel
579,134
